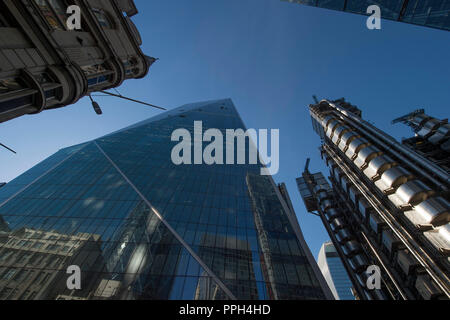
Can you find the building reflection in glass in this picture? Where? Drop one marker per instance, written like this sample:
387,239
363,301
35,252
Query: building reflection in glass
140,227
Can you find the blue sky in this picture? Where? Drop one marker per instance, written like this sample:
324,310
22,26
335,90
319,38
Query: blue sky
270,57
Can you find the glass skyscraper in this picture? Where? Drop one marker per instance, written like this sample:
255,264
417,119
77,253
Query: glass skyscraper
334,272
140,227
429,13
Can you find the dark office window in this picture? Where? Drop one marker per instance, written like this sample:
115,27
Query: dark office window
16,103
24,295
390,9
129,66
331,4
92,82
20,275
5,293
97,74
98,80
54,12
6,255
429,13
60,9
308,2
24,258
32,295
50,94
50,85
8,274
49,15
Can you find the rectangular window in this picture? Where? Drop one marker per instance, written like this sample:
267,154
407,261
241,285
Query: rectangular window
5,293
48,14
60,9
53,247
6,255
9,274
38,245
32,295
14,94
20,275
49,94
97,74
25,295
54,11
24,258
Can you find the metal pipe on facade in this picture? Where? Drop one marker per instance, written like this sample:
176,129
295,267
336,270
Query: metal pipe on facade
376,136
409,242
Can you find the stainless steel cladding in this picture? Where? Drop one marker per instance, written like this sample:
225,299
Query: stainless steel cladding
378,166
392,178
366,155
391,203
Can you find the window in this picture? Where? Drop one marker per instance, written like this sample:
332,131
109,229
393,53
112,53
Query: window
49,14
98,80
129,65
97,74
22,243
9,274
35,259
51,87
6,255
103,19
60,8
54,11
20,275
5,293
32,295
24,258
41,279
54,247
16,103
50,94
28,235
55,263
25,295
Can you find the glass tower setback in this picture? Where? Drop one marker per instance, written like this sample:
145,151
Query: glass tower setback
429,13
140,227
334,272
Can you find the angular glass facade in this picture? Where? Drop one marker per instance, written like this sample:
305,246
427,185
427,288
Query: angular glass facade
140,227
334,272
429,13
